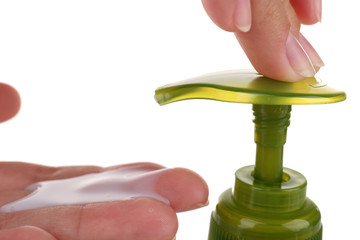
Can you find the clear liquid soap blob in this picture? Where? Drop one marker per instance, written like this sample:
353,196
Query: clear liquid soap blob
114,185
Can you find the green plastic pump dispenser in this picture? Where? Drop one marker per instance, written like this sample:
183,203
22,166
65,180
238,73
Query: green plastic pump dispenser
268,201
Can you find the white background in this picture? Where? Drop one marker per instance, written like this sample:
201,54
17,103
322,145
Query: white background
87,71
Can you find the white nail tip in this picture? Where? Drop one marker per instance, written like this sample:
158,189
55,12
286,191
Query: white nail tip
307,73
244,28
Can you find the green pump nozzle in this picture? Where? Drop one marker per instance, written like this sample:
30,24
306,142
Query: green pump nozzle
268,201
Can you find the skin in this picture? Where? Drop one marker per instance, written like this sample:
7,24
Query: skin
9,102
141,218
266,44
137,219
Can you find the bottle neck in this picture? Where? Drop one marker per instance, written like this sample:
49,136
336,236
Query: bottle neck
271,122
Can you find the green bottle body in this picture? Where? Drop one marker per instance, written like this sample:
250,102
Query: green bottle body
255,211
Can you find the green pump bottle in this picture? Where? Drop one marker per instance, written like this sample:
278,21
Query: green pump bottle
268,201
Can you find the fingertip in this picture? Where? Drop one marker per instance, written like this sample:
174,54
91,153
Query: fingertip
221,13
308,11
185,189
285,75
9,102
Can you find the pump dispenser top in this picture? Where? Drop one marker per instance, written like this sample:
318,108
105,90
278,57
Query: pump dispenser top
268,201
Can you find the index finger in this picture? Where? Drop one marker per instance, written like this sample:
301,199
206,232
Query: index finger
308,11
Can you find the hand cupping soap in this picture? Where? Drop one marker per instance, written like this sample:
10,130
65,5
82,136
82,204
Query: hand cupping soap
114,185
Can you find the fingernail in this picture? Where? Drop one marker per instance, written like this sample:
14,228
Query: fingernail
298,58
318,9
311,52
203,204
242,15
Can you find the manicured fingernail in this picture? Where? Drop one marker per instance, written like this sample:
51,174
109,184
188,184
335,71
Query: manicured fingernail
318,9
311,52
298,58
242,15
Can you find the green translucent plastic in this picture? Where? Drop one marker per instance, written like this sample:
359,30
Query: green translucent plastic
268,201
257,212
271,122
246,86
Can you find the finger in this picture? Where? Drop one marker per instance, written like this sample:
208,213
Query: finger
308,11
9,102
19,175
273,44
221,13
183,189
9,196
135,219
25,233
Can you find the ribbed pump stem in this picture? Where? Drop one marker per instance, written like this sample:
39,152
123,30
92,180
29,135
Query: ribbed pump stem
271,122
